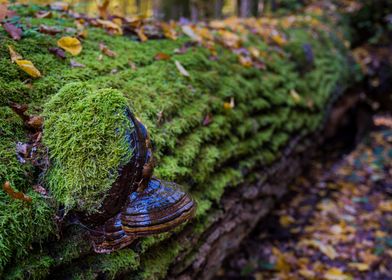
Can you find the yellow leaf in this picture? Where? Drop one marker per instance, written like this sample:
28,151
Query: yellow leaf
141,35
286,220
14,55
169,31
245,61
278,38
296,97
336,274
28,67
386,206
229,105
281,263
359,266
306,273
70,44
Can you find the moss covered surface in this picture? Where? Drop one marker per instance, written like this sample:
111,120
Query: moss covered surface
287,98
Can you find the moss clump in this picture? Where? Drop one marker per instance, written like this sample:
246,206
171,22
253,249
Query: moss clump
86,133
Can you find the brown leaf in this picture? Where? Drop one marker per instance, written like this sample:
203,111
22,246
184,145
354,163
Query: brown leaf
140,34
57,52
48,30
181,69
105,50
162,56
35,122
110,26
15,194
70,44
75,64
28,67
13,31
20,110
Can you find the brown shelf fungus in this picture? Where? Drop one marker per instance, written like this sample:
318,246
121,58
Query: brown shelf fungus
102,166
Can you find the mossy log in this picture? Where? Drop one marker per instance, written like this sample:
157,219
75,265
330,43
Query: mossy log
234,166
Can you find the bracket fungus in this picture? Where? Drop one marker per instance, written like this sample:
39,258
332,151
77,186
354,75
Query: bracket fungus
102,166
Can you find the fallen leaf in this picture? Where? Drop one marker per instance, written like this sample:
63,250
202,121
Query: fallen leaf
286,220
386,206
5,13
57,52
207,119
110,26
281,261
75,64
43,14
35,122
187,30
278,39
336,274
105,50
13,31
181,69
70,44
14,55
168,31
162,56
359,266
15,194
59,6
140,34
296,97
245,61
230,39
40,189
229,105
28,67
48,30
306,273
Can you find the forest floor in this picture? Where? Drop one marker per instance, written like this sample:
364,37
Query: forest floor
336,223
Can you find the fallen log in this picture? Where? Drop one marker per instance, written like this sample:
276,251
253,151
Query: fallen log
232,124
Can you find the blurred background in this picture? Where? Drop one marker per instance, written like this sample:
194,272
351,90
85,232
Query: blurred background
177,9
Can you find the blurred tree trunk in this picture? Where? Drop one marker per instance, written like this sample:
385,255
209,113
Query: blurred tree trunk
218,8
194,10
244,8
157,11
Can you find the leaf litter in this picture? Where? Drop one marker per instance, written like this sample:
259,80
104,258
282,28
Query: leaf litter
337,226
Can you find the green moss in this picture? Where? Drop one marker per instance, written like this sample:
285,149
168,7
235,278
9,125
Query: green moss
21,223
85,131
